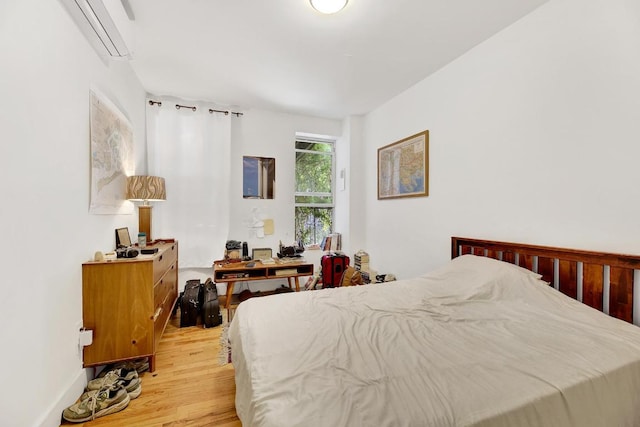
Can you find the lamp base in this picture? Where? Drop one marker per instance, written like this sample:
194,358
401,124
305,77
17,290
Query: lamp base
144,221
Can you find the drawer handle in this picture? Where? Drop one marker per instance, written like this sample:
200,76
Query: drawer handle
160,259
156,314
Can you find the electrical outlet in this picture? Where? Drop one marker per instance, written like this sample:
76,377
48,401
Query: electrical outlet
86,337
78,329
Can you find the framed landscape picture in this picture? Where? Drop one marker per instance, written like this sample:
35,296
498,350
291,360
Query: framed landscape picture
403,168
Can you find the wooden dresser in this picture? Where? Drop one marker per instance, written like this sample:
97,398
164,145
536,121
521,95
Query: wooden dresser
127,304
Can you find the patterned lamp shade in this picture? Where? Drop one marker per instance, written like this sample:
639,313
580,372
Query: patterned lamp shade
142,187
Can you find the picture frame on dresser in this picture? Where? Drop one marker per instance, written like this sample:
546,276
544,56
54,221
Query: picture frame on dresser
123,238
261,253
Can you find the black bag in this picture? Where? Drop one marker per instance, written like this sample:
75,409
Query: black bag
211,306
178,304
333,266
190,303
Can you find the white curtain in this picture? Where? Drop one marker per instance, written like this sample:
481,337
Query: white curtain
191,150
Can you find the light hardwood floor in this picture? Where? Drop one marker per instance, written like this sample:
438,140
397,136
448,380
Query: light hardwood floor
188,388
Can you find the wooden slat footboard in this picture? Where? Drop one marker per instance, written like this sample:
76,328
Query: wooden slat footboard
569,270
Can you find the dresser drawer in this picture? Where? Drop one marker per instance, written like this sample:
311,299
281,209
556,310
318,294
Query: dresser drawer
163,260
165,295
165,287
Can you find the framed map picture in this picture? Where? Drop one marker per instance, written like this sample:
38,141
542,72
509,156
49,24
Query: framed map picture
111,156
403,168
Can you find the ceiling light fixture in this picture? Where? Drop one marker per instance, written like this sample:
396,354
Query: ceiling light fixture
328,6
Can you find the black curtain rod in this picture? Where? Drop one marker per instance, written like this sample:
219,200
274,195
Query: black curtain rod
211,110
178,106
226,113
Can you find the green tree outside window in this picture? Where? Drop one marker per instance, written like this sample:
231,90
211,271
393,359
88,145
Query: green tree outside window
314,190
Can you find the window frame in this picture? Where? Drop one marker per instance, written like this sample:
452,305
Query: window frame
332,194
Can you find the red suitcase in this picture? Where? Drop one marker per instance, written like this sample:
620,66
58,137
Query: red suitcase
333,266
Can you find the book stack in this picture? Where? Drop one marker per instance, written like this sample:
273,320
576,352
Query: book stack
332,243
361,263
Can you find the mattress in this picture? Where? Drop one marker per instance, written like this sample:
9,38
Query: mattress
477,342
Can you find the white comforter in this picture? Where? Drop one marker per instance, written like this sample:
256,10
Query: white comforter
477,342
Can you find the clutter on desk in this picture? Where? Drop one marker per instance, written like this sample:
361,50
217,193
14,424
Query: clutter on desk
233,251
233,244
245,252
292,251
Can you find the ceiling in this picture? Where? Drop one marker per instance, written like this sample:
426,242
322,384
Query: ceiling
282,55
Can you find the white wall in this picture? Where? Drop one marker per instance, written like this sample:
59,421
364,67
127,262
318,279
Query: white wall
533,138
266,134
47,70
342,189
354,234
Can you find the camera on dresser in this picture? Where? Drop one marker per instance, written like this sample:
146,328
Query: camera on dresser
124,249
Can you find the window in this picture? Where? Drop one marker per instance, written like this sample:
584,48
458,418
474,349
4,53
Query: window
314,190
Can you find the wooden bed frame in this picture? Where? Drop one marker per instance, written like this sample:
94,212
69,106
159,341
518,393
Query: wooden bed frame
568,270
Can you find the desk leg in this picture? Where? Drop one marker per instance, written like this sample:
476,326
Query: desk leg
289,282
230,286
297,284
227,303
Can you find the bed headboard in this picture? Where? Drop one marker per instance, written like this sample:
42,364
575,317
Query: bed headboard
579,274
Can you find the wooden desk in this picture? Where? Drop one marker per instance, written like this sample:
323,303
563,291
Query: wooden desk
239,272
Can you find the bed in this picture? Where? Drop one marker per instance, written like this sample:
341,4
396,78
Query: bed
482,341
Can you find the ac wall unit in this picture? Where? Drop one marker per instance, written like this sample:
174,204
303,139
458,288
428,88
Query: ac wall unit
106,24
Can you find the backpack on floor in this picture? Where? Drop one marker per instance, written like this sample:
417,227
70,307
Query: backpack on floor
190,303
211,315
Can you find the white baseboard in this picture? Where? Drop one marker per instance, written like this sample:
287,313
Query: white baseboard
53,416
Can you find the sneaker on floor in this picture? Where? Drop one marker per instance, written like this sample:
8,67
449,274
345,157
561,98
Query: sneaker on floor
103,402
112,377
140,365
133,387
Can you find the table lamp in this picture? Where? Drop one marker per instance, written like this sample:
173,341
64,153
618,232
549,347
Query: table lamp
145,188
